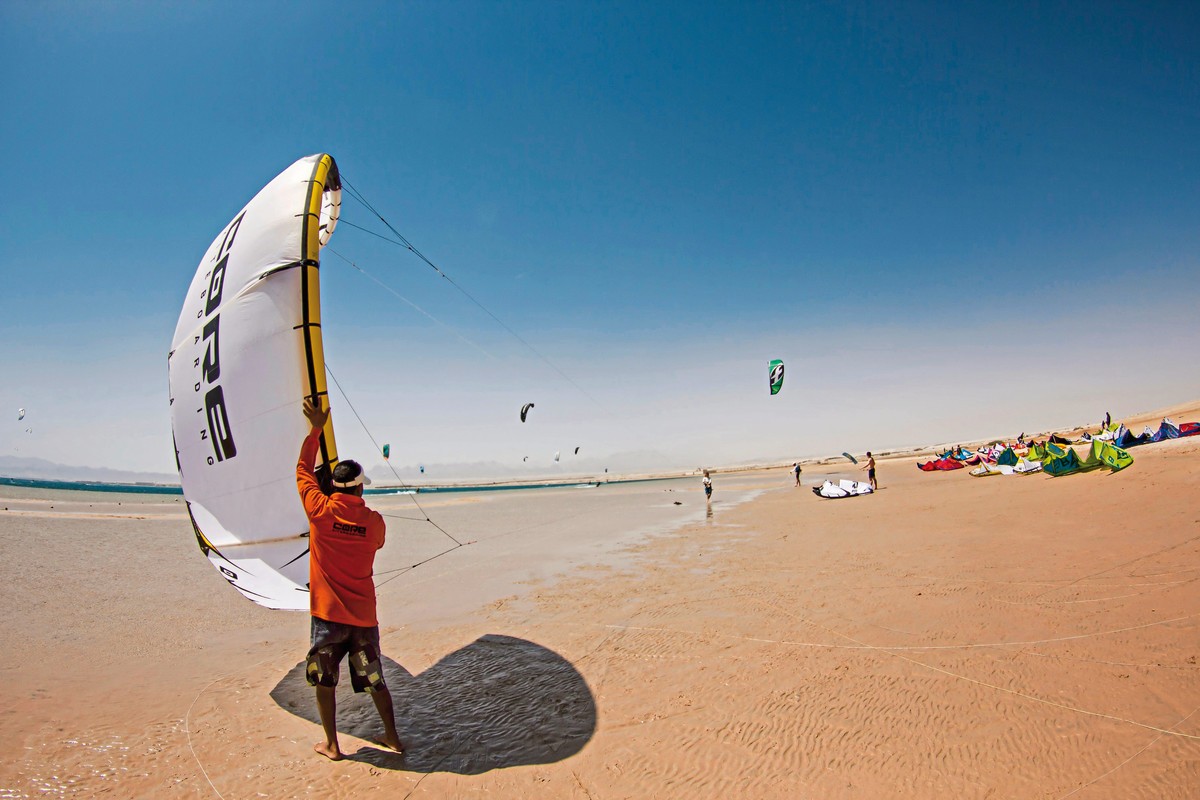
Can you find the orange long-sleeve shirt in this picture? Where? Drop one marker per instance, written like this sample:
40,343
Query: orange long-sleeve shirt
343,535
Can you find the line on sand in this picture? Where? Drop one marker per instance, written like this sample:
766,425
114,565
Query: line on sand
907,647
859,645
1151,743
187,728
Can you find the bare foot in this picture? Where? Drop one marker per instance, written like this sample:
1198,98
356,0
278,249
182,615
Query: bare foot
332,753
394,745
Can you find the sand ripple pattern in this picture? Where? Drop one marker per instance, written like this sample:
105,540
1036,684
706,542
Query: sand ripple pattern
944,638
773,677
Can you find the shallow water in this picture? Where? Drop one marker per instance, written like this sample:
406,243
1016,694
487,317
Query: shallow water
511,541
528,537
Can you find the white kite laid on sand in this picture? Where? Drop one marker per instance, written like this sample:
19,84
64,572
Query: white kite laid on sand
843,488
246,353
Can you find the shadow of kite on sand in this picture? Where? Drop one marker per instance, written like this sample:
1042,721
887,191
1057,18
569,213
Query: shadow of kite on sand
498,702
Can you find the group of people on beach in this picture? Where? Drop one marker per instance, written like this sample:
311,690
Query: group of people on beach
869,466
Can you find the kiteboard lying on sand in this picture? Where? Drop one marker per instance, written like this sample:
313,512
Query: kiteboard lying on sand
835,491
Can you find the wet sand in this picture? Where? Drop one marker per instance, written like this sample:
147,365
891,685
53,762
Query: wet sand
947,637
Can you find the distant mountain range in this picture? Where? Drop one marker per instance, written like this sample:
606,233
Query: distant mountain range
541,468
570,465
535,469
41,469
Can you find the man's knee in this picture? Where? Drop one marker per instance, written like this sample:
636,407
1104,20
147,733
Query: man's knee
366,671
322,668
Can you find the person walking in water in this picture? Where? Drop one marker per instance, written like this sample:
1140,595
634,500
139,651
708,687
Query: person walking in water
870,468
707,487
344,536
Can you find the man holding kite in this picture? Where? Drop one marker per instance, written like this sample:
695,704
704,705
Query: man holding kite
343,537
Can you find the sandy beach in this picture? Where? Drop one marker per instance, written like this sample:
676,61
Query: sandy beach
1016,637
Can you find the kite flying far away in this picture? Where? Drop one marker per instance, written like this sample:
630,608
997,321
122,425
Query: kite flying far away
776,375
525,410
387,452
20,414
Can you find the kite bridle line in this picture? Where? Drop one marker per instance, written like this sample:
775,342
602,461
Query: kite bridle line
402,241
404,299
413,497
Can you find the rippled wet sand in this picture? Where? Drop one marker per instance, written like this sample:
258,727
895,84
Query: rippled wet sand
947,637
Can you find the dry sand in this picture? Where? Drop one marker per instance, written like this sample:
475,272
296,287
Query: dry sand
1008,637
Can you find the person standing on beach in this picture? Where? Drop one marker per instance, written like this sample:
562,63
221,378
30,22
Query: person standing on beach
707,487
796,469
870,468
343,537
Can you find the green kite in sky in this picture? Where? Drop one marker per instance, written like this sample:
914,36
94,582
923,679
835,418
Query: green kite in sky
776,374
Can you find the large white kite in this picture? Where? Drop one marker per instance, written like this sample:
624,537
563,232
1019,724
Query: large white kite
246,353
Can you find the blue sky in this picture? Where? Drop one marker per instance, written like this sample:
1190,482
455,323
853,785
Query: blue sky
950,220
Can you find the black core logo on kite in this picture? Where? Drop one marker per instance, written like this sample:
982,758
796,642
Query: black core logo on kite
219,431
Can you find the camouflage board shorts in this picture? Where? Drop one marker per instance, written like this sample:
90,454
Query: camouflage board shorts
332,641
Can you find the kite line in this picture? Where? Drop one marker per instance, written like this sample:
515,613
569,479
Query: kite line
413,497
401,241
401,297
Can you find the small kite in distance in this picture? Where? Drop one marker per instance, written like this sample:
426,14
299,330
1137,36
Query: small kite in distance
387,452
20,414
776,375
576,451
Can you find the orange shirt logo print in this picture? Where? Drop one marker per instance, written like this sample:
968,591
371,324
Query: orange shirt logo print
352,530
218,430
